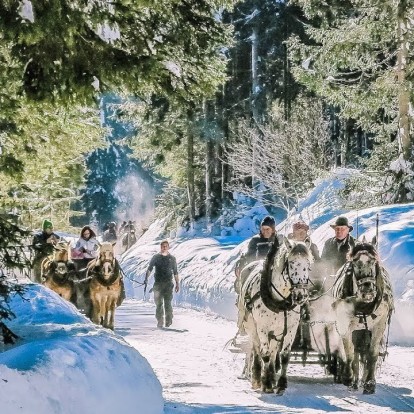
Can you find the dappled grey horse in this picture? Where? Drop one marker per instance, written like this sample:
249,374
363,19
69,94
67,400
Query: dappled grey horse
364,304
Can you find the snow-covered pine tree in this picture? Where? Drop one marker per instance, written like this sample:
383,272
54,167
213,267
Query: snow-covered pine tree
360,61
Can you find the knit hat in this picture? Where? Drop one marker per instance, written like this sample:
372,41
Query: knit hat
300,225
47,224
269,221
342,221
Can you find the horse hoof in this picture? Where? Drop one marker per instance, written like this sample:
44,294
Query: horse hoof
369,387
280,391
256,385
267,390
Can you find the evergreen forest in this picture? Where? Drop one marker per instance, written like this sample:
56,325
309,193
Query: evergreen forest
169,109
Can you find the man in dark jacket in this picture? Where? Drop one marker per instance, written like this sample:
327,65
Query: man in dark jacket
335,250
42,244
165,268
258,247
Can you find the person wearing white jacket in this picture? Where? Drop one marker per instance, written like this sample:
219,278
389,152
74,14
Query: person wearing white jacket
86,248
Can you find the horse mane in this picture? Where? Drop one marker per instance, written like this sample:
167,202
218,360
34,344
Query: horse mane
370,248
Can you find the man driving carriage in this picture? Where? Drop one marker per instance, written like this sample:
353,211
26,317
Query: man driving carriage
42,244
336,249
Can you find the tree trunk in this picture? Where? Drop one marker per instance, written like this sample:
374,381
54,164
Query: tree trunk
209,168
404,119
190,169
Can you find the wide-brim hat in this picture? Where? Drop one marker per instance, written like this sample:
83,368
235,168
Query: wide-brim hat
342,221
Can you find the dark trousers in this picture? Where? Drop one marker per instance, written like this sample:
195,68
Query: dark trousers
163,294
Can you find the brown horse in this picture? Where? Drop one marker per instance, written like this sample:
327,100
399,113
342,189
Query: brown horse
58,271
106,286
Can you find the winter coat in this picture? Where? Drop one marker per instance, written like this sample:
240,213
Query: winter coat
109,236
313,247
334,253
86,248
257,249
41,246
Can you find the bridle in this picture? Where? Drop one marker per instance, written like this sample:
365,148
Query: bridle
366,286
299,291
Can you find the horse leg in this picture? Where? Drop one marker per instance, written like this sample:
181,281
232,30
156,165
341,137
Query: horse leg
256,369
282,381
111,321
97,311
355,370
347,377
268,360
268,374
369,371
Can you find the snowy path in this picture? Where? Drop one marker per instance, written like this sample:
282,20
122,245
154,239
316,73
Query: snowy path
199,375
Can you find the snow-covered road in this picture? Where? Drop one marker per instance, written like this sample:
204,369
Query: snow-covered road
200,375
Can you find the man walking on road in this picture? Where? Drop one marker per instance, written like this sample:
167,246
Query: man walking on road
165,268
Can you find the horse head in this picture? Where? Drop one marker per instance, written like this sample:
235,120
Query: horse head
61,252
56,266
291,270
365,267
106,258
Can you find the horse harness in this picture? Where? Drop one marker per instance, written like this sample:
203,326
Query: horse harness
59,268
286,304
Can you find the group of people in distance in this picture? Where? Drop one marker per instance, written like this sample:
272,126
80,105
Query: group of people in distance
86,249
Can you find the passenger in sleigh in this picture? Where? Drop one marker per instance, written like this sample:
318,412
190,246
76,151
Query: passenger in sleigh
257,249
300,232
86,248
336,250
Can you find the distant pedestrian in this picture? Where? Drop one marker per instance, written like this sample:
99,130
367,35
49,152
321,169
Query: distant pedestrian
165,266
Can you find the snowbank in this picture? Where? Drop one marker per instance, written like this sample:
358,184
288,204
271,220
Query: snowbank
63,363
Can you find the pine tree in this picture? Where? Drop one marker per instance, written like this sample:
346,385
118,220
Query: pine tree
360,61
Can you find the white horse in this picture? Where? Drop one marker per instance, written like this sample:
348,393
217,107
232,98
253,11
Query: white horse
363,311
272,300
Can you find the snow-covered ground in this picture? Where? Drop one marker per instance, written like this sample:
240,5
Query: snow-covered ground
200,375
64,364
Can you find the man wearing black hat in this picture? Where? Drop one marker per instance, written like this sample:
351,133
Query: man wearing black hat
335,250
